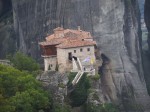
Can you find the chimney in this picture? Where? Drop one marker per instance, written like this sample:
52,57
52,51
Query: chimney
59,32
79,28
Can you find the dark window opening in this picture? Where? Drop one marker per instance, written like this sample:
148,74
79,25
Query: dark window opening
74,51
81,50
51,65
88,49
70,56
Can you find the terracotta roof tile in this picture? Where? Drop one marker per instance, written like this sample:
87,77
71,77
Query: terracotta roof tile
75,43
72,33
53,41
71,38
59,28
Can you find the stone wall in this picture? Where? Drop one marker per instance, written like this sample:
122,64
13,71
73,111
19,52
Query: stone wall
62,56
50,63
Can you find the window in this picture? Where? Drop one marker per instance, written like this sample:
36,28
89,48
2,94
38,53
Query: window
81,50
88,49
70,56
51,65
74,51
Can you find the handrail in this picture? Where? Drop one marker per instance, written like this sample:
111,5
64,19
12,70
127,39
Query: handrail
76,78
79,74
79,77
78,60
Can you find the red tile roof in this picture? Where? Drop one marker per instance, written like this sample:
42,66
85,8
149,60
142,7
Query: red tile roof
71,38
54,41
72,33
75,43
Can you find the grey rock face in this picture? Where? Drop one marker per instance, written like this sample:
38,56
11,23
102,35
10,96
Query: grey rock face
7,40
55,83
1,7
5,5
146,54
141,5
115,26
147,19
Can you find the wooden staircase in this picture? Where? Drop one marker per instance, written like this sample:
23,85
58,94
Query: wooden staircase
77,78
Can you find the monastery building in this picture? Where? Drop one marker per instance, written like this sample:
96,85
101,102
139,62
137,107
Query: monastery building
65,47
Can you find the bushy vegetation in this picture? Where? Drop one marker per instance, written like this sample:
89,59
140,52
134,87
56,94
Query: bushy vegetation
95,77
21,92
80,94
24,62
71,76
61,107
107,107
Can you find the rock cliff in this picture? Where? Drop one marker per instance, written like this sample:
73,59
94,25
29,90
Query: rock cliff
146,54
114,25
147,19
7,35
5,5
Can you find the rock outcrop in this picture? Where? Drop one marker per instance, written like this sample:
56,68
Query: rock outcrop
55,83
115,25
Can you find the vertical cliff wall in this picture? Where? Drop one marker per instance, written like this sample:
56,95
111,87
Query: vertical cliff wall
146,54
5,5
115,26
7,35
147,19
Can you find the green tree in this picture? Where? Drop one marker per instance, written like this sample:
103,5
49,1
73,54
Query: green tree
21,92
24,62
61,108
107,107
30,101
5,105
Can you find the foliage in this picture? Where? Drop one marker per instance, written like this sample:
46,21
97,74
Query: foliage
30,101
61,108
107,107
80,94
71,76
95,77
61,85
21,92
24,62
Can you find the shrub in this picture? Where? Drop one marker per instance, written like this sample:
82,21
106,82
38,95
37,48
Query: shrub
61,85
107,107
61,108
24,62
95,77
21,92
71,76
80,94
